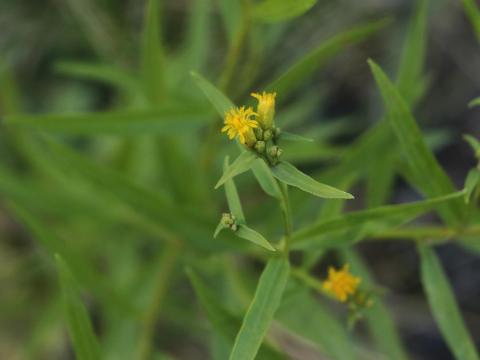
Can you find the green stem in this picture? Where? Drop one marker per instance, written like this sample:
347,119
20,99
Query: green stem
287,215
167,265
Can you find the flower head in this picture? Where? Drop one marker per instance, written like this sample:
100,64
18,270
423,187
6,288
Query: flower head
341,283
238,122
265,108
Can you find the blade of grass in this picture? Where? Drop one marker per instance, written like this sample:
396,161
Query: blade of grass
429,175
261,311
80,328
473,12
280,10
444,307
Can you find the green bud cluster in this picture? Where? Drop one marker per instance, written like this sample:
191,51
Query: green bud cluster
229,221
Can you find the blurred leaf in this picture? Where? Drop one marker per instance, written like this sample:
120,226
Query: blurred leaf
82,269
224,323
231,11
308,317
153,62
233,199
290,175
264,177
473,12
280,10
294,137
196,45
9,95
316,58
409,74
428,173
249,234
370,221
241,164
380,322
261,311
472,182
474,143
474,102
221,103
163,121
107,74
79,326
444,307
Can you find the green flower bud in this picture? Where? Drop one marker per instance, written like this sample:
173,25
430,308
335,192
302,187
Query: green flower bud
258,133
260,147
267,135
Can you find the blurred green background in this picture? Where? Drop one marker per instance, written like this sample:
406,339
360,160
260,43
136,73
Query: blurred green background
47,49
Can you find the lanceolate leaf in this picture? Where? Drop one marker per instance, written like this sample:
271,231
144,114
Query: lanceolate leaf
245,232
261,311
474,102
428,173
290,175
293,137
280,10
474,143
444,307
241,164
265,178
79,326
221,103
316,58
369,221
471,184
473,12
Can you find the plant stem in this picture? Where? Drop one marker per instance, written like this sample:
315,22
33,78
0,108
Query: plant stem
167,265
287,215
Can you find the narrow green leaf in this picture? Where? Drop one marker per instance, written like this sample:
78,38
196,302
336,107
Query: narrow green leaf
281,10
471,184
107,74
241,164
309,318
261,311
197,40
428,173
265,178
409,74
474,102
473,12
294,137
233,199
370,221
290,175
444,307
161,121
153,62
219,229
316,58
80,328
380,323
249,234
474,143
221,103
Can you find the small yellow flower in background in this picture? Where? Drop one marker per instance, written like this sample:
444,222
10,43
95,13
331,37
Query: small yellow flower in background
265,108
238,122
341,283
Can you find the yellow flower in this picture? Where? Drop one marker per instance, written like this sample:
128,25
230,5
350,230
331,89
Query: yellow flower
265,108
341,283
238,122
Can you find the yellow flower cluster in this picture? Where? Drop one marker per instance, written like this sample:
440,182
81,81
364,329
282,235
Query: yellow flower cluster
240,122
341,283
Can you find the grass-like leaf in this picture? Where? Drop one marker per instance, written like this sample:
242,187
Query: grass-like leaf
444,307
428,173
233,199
80,328
317,57
471,183
265,178
162,121
221,103
474,102
281,10
290,175
473,12
261,311
287,136
255,237
371,220
241,164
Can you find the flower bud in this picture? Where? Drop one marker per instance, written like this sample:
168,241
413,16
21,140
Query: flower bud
267,135
258,133
260,147
265,109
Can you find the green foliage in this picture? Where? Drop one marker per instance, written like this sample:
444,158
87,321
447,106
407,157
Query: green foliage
473,12
79,325
444,307
280,10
